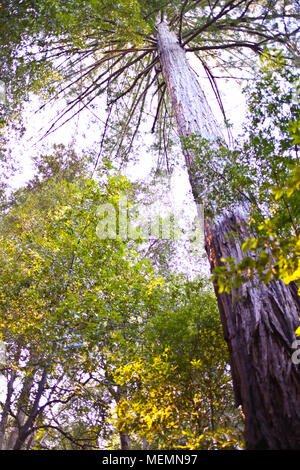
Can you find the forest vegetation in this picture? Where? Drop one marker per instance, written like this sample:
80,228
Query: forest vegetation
132,342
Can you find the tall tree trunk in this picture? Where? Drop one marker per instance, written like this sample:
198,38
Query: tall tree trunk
258,322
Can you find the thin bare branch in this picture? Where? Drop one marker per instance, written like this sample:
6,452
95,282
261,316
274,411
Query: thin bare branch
254,46
230,5
145,71
158,108
181,21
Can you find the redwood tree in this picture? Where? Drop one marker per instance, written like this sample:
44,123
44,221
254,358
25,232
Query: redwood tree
258,321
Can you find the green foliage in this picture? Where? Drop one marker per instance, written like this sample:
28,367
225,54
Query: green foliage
261,174
112,335
81,49
274,252
36,35
177,392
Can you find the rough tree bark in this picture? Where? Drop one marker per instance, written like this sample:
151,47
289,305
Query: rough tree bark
258,321
124,441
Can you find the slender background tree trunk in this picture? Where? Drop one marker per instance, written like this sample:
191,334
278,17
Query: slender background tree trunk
258,322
